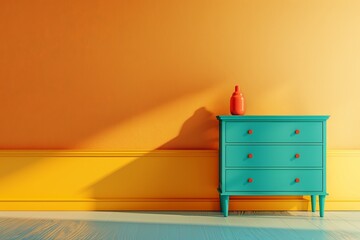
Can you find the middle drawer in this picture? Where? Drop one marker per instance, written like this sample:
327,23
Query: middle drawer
273,156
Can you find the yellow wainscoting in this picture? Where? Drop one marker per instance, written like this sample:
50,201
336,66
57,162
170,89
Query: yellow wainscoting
148,180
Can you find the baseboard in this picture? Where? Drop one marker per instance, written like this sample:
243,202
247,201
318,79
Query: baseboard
147,180
113,204
173,205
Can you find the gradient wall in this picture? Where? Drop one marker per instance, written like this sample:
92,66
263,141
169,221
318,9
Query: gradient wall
104,76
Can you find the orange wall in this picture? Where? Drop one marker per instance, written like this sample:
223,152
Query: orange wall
153,74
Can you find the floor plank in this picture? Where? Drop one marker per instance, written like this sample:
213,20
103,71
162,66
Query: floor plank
178,225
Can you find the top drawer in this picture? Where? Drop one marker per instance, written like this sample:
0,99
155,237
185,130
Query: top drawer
281,132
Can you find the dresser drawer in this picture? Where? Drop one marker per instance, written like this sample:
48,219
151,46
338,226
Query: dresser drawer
263,180
273,156
280,132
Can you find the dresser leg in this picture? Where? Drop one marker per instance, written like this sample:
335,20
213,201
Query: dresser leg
313,203
221,203
322,205
224,205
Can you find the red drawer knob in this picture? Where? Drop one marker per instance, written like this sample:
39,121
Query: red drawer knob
250,131
297,131
250,180
250,155
297,180
297,155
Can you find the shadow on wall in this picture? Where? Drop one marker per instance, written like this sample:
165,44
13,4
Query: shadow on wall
198,131
167,177
171,174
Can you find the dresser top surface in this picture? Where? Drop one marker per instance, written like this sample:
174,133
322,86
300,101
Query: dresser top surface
273,117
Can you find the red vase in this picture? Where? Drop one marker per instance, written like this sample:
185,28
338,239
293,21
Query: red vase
237,105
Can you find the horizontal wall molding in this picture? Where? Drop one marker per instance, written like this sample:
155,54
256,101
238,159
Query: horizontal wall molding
128,153
75,180
347,153
138,153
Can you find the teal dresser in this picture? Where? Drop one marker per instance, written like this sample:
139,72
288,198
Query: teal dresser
272,156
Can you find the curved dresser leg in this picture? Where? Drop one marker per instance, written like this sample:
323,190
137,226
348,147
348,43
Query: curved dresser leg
322,205
313,203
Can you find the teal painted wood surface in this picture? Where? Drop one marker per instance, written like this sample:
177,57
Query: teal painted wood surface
267,131
272,155
273,180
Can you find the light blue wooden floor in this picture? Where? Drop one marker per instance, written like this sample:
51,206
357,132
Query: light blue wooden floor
179,225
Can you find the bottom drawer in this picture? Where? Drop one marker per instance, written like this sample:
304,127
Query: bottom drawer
273,180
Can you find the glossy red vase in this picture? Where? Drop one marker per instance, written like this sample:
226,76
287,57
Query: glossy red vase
237,104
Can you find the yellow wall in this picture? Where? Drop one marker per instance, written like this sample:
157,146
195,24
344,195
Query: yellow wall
157,180
110,75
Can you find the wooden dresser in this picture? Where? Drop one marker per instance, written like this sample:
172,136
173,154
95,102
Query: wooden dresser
272,155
